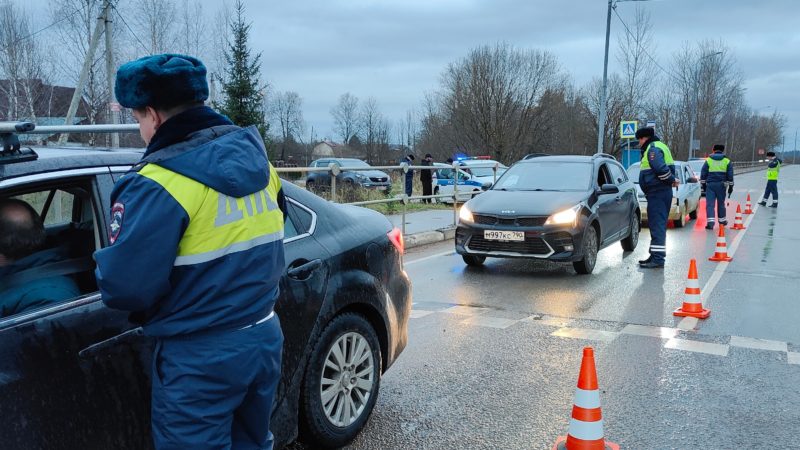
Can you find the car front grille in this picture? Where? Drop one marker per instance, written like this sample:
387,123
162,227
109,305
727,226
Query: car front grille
530,246
483,219
378,179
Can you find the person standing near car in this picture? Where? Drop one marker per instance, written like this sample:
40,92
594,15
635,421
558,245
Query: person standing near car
196,254
717,175
426,177
409,161
656,178
773,169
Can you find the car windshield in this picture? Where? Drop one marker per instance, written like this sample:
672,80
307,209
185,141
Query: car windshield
485,171
633,173
696,165
546,176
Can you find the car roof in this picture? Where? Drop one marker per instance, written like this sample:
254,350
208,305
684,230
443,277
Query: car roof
51,159
561,158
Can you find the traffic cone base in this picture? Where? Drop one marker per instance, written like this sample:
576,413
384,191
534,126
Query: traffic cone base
702,314
561,444
720,258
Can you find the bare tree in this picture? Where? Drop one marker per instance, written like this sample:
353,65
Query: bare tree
191,28
639,72
375,130
286,112
155,22
346,120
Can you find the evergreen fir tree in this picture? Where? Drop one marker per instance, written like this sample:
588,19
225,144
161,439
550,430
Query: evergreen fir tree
243,92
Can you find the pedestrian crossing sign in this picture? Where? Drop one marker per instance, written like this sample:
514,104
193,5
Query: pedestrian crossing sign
627,129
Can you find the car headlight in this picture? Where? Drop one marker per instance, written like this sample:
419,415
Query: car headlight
465,215
566,217
361,176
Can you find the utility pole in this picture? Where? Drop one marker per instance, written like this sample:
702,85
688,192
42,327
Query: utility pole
601,118
794,153
113,106
87,64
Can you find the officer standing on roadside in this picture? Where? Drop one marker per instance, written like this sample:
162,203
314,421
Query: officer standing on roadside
656,179
196,254
717,174
409,187
773,169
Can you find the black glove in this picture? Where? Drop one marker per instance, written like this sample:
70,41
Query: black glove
730,189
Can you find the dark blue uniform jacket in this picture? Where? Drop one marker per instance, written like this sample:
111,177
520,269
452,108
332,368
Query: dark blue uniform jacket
717,177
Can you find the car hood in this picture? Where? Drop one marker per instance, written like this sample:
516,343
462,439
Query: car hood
373,173
524,203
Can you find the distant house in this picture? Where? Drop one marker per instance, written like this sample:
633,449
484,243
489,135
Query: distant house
50,104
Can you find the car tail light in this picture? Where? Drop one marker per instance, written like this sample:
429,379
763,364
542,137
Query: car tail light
396,236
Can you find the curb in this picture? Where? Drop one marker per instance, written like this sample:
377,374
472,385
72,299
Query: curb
429,237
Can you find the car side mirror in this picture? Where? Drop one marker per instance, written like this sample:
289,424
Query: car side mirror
692,180
609,189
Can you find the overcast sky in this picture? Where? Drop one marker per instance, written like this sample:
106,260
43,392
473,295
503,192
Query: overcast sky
395,51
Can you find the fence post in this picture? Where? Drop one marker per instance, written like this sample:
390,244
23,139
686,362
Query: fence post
403,217
334,173
455,194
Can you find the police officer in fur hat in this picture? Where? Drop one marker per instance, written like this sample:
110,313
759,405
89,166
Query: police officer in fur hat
656,179
196,254
717,175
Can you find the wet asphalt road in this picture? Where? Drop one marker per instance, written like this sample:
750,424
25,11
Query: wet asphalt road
494,352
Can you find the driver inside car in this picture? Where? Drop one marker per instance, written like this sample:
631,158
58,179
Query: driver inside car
25,283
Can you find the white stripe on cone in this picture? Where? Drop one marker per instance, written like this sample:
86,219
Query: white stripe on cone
586,431
587,399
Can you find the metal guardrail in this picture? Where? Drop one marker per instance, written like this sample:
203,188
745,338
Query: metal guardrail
334,170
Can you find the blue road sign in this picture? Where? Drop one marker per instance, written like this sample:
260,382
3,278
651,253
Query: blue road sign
627,129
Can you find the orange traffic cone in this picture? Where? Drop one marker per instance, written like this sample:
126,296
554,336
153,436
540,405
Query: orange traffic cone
738,223
748,207
586,425
721,255
692,304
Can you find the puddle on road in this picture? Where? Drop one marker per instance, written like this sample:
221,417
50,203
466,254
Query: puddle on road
768,245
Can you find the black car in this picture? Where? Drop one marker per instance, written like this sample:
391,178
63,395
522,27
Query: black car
364,178
560,208
76,375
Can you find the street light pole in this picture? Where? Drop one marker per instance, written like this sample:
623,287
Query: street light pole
601,118
692,120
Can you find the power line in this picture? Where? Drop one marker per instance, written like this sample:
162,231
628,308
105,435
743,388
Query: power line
135,36
630,34
28,36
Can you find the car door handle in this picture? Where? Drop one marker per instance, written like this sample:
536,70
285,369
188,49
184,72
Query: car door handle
110,342
302,269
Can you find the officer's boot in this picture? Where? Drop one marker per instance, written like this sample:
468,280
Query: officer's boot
763,202
774,204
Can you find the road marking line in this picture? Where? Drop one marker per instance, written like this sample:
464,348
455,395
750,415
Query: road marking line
759,344
491,322
451,252
465,310
642,330
585,333
420,313
689,323
793,358
697,347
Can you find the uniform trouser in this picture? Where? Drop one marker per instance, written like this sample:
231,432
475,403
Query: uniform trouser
215,391
772,188
715,196
658,206
409,183
427,187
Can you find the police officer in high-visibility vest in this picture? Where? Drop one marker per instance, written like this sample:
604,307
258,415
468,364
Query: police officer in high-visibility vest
656,179
773,169
717,175
196,254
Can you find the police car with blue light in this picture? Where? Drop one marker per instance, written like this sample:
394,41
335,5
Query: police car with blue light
475,175
76,374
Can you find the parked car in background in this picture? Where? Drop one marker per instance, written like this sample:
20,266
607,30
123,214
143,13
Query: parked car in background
686,197
697,167
444,183
483,169
363,178
560,208
75,374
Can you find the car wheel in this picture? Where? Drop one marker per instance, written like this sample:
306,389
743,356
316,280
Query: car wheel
341,382
311,186
630,242
681,221
590,248
473,260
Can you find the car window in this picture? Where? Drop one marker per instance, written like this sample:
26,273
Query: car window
46,262
633,173
300,220
688,173
617,173
603,177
